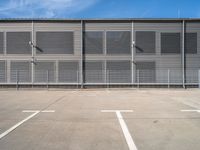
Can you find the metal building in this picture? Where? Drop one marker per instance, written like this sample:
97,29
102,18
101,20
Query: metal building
85,52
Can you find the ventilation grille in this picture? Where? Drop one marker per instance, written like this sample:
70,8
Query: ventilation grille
55,42
18,42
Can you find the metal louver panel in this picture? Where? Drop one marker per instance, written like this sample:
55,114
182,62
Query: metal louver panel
18,42
94,72
44,72
2,71
145,72
68,72
1,42
145,42
118,42
93,42
55,42
191,43
20,72
170,43
118,72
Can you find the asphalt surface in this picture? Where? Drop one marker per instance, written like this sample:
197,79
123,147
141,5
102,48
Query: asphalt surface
162,119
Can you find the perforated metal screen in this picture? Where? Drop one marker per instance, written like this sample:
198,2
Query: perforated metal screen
20,71
118,42
1,42
94,72
45,72
145,42
18,42
145,72
191,43
93,42
68,72
55,42
170,43
118,71
2,71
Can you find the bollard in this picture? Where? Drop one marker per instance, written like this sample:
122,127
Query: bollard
17,80
77,75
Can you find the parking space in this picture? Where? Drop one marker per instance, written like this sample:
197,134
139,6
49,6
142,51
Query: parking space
149,119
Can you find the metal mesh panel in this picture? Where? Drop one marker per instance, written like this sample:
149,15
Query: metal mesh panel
94,72
55,42
118,42
2,71
18,42
145,42
191,43
118,72
145,72
1,42
170,43
68,72
93,42
20,72
45,72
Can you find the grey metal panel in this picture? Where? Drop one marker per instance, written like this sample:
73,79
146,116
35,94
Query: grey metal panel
118,42
44,72
94,72
191,43
170,43
145,42
2,71
55,42
68,72
93,42
20,71
146,72
18,42
118,71
1,42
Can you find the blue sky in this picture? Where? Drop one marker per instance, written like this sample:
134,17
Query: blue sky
99,8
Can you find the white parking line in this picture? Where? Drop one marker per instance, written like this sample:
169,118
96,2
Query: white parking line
127,135
190,110
35,112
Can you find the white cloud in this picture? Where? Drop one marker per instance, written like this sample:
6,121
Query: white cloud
43,8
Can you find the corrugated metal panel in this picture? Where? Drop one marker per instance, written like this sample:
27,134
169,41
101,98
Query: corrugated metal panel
94,72
170,43
55,42
18,42
68,72
145,42
1,42
2,71
45,72
20,71
118,42
93,42
118,71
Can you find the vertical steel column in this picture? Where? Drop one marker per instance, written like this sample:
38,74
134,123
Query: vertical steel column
132,53
183,52
33,59
82,56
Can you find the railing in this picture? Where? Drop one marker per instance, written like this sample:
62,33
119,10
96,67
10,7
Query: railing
167,77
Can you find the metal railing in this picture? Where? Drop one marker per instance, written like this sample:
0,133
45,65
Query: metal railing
166,77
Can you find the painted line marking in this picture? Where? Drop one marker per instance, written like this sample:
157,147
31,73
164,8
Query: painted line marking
127,135
191,110
35,112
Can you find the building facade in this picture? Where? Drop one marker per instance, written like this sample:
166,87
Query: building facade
100,52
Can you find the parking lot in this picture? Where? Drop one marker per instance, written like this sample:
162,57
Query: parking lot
100,119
